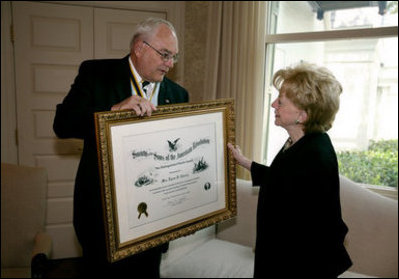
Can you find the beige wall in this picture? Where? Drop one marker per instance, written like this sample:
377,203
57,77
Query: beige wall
195,34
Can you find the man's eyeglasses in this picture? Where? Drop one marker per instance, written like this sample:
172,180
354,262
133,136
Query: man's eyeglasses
166,56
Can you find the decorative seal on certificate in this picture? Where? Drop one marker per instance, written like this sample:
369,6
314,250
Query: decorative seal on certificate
143,181
142,208
200,166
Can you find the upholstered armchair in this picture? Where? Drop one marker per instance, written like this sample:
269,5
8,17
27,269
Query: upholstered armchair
23,211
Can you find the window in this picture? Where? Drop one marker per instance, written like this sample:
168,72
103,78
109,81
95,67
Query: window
360,46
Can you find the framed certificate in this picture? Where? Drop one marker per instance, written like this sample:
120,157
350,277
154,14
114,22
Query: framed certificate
165,176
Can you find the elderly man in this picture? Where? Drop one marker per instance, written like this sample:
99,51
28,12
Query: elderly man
135,82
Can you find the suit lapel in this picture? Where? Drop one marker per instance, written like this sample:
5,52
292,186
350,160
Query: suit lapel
122,76
163,97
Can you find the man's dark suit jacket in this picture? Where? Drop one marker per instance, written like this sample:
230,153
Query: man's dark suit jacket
99,85
300,231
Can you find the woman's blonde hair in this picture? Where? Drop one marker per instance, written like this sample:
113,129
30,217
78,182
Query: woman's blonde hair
313,89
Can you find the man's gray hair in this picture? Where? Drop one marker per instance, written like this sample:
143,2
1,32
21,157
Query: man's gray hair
148,26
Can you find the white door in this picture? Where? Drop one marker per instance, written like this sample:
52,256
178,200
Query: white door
113,30
51,40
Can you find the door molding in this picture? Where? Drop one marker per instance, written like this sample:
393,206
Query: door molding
9,149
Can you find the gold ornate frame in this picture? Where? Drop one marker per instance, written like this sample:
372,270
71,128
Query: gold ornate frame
151,194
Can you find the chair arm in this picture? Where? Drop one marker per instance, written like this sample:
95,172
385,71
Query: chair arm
40,254
43,244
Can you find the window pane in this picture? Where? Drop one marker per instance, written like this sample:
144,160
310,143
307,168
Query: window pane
368,71
329,15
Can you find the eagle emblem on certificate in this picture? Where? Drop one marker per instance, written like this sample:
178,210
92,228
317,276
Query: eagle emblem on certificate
173,145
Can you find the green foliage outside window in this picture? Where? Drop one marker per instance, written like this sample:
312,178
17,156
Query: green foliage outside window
376,166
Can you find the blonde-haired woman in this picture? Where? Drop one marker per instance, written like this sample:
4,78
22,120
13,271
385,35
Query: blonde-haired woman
300,230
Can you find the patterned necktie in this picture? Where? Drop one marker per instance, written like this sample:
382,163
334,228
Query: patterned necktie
143,85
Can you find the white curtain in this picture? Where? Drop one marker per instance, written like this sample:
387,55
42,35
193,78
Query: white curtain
235,68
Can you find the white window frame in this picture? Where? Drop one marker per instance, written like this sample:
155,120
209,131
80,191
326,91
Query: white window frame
364,33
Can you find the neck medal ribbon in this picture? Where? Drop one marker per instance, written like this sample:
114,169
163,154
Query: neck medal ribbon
137,88
135,84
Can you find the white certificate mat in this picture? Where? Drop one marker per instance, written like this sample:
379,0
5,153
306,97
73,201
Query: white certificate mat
168,172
